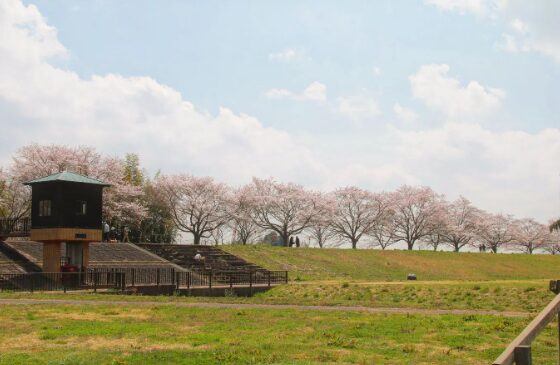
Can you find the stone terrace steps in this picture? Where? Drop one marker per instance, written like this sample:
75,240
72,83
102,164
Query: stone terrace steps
13,262
214,258
102,255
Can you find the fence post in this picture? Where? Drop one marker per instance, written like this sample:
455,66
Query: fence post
268,274
230,280
286,281
522,355
157,276
250,279
32,281
210,280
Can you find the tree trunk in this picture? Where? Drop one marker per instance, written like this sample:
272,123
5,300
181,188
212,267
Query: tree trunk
354,243
285,239
410,245
196,238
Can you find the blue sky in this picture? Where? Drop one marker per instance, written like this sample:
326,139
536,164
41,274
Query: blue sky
461,95
217,53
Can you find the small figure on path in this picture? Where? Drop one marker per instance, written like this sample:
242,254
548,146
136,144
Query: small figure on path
126,231
291,241
297,241
106,230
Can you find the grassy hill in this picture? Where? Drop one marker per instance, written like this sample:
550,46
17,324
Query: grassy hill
375,265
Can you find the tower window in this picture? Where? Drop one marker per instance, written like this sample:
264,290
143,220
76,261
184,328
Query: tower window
45,208
81,207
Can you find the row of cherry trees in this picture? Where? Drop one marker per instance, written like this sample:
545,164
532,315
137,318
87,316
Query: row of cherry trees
212,211
412,215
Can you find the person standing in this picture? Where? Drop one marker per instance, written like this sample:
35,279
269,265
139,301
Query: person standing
297,241
106,230
126,230
291,241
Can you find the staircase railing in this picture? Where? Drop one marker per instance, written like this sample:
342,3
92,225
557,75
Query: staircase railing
519,350
15,227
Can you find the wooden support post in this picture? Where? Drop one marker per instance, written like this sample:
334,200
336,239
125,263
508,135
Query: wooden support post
231,280
268,274
158,272
95,280
250,279
188,275
133,280
210,281
522,355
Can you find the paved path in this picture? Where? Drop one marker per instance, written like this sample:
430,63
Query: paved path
266,306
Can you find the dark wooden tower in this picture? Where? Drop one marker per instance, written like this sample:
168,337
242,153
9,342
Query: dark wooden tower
66,208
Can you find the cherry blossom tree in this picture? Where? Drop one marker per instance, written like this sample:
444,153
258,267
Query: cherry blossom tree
198,205
418,211
553,244
122,202
497,231
461,223
241,222
531,235
284,208
320,229
356,212
15,200
383,230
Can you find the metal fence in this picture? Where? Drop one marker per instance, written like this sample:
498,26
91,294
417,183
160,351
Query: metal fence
123,278
519,350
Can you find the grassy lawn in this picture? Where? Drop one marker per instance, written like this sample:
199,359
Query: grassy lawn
109,334
375,265
526,296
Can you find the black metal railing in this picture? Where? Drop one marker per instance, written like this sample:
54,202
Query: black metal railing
123,278
15,226
519,350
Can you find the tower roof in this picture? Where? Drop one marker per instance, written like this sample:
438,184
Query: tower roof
68,177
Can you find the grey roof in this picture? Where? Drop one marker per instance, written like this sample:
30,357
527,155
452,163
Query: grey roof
69,177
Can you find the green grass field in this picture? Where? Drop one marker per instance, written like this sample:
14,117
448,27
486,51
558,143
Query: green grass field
109,334
376,265
161,334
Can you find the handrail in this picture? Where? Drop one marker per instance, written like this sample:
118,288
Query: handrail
519,350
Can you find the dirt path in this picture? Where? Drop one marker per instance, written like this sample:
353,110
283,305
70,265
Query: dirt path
267,306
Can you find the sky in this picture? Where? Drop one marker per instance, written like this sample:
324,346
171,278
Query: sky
458,95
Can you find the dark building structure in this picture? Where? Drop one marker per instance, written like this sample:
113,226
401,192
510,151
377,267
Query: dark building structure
66,209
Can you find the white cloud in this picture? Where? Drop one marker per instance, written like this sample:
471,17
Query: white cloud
497,170
478,7
376,71
279,94
316,92
42,103
358,107
437,90
404,114
534,25
289,55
